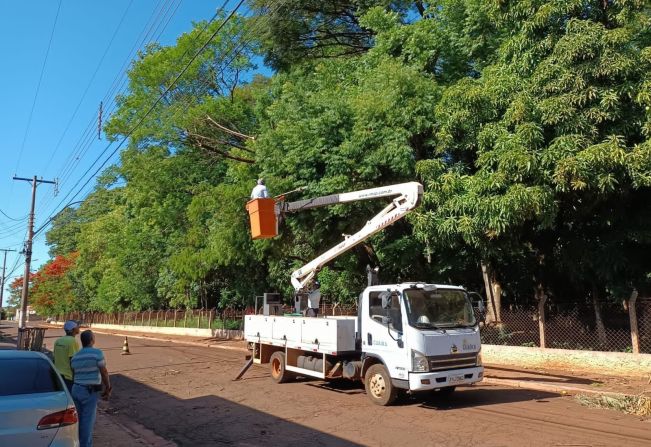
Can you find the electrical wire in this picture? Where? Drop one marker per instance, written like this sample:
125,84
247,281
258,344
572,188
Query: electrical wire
12,218
38,87
237,49
151,108
228,18
84,143
70,161
90,82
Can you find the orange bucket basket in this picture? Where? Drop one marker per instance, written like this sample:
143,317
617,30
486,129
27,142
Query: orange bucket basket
262,215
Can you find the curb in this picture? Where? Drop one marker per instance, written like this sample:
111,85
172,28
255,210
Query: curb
557,389
135,430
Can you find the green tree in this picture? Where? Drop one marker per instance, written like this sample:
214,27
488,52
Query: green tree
540,157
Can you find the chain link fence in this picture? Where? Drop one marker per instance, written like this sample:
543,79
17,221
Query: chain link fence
516,327
229,318
188,318
564,326
644,323
572,326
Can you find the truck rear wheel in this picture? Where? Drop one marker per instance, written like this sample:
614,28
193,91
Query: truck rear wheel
378,385
278,371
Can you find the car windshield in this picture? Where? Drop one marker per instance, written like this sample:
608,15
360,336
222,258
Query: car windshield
27,376
439,309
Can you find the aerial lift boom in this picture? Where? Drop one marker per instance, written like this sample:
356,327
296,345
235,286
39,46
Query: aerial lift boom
406,196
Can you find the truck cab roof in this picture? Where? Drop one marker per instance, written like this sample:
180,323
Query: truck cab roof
411,285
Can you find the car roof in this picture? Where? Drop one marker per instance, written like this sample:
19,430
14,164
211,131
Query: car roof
16,354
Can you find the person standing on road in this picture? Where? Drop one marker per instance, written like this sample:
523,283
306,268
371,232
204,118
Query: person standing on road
90,378
64,348
260,190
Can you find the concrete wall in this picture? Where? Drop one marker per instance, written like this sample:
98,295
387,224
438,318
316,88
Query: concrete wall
607,363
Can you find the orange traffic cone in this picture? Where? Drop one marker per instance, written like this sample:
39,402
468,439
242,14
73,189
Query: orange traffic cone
125,347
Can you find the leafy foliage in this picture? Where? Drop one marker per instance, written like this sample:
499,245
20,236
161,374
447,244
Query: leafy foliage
528,123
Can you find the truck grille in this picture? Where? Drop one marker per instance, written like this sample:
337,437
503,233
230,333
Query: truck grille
454,361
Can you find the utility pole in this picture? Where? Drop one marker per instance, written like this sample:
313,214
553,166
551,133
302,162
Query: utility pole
2,279
28,248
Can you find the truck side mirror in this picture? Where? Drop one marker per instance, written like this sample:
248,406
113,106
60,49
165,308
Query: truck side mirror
480,306
386,300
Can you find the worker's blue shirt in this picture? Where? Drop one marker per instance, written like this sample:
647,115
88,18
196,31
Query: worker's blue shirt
259,192
86,364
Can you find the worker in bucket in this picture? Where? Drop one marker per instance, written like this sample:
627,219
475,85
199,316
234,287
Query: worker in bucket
260,190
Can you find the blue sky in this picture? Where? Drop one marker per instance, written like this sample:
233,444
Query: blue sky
91,38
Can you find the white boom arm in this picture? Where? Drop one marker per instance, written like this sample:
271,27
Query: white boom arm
408,197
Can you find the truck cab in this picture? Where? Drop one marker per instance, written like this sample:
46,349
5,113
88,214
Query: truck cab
425,336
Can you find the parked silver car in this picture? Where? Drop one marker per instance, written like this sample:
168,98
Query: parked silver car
36,408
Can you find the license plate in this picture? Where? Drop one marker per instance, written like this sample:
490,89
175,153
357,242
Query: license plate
456,379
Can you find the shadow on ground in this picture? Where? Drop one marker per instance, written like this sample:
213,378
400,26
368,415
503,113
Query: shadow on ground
209,420
463,397
477,397
545,377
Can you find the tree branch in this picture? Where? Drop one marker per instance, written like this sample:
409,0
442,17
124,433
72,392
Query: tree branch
197,141
421,8
227,130
218,141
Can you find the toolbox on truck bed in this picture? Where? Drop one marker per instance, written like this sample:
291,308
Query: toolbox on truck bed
324,334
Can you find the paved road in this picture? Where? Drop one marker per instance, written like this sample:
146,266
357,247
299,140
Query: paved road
185,394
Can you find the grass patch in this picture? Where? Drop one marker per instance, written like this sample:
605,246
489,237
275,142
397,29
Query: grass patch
637,405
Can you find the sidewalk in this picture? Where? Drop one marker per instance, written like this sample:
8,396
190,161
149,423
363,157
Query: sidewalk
549,380
565,382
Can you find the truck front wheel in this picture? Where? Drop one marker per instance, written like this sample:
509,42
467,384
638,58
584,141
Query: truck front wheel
278,371
378,385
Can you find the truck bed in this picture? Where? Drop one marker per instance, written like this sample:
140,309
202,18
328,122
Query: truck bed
328,335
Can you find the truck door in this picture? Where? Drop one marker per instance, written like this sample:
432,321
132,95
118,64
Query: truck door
382,333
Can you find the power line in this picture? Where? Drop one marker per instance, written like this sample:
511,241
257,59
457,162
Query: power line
38,86
12,227
9,276
147,35
151,108
11,234
90,82
70,161
235,50
11,218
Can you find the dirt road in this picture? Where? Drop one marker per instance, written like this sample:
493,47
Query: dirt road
185,394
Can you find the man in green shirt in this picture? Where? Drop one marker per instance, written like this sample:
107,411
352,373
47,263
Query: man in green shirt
64,348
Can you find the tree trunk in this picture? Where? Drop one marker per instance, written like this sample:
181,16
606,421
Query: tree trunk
632,315
599,322
497,300
493,294
541,297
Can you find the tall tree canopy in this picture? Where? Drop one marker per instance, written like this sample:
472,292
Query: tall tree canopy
528,123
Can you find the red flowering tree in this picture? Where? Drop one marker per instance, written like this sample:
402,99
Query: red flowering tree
52,290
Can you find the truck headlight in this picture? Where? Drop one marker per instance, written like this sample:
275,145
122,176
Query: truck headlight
419,362
479,360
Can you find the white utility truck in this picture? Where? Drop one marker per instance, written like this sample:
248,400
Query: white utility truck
412,336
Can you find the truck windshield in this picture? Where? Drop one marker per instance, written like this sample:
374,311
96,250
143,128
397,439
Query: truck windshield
440,309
